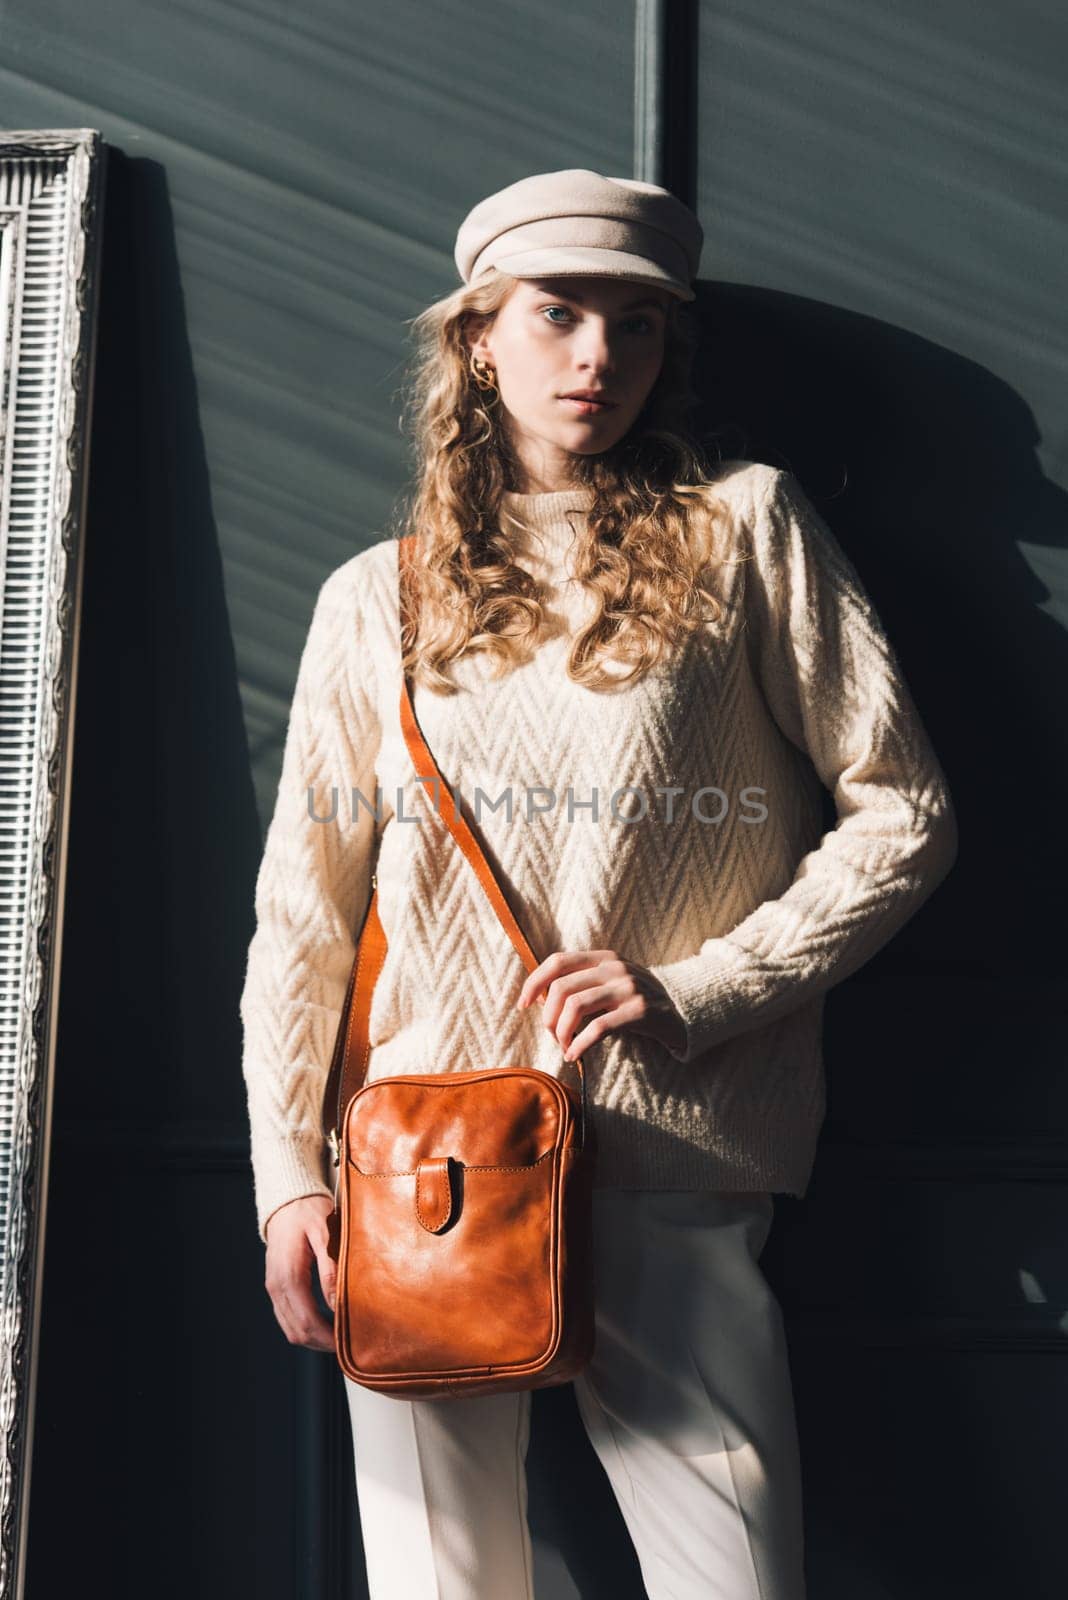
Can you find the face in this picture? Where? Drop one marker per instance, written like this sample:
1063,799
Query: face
554,336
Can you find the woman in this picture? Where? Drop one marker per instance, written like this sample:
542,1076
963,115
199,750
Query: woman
637,668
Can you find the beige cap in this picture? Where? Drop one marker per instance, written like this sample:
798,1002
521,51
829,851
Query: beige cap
577,223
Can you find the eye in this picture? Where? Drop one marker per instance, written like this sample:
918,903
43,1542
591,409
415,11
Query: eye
643,324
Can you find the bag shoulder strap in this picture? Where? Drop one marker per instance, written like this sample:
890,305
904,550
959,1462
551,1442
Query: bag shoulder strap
348,1066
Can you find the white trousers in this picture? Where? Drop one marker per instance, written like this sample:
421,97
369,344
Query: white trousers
687,1402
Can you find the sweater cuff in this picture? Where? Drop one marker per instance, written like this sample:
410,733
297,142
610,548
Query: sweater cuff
290,1170
706,991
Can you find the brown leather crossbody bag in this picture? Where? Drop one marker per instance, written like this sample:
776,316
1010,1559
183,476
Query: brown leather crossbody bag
462,1224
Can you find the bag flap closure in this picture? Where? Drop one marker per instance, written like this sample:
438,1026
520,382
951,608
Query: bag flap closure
433,1192
501,1118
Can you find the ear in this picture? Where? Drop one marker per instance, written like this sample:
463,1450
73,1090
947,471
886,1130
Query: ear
479,347
475,338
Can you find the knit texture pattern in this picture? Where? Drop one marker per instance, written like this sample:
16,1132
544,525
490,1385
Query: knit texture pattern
675,821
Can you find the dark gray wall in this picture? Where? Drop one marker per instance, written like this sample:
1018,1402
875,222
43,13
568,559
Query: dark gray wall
881,193
882,189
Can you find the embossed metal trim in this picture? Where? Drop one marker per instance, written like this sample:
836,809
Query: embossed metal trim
51,195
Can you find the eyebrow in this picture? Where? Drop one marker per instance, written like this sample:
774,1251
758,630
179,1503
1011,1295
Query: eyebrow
632,305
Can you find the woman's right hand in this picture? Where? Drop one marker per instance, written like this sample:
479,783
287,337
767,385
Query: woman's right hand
297,1234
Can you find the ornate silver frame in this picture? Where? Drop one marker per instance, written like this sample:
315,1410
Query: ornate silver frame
51,201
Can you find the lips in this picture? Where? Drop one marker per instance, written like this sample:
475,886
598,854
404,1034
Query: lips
587,405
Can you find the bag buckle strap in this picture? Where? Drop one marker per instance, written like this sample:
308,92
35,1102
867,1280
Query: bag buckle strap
434,1179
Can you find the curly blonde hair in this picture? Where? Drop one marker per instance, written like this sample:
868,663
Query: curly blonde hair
652,524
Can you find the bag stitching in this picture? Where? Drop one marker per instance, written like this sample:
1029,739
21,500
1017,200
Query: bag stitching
410,1172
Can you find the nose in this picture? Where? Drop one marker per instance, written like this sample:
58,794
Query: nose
595,347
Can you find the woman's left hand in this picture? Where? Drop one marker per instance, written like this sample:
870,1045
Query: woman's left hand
625,996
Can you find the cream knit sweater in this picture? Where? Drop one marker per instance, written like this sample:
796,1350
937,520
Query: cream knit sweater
730,895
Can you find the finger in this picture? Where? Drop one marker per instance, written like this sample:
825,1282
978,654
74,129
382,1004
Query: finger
327,1268
574,996
288,1283
538,980
304,1323
579,1000
556,966
283,1315
608,1021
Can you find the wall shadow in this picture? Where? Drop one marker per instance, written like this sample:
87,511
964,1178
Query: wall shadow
152,1440
926,467
940,1179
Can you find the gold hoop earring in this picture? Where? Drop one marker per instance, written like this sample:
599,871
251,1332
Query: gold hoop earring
480,369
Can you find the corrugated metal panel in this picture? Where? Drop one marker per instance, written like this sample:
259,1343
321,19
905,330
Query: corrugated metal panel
318,160
882,189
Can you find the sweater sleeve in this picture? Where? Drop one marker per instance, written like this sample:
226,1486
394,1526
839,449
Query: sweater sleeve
835,688
311,892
